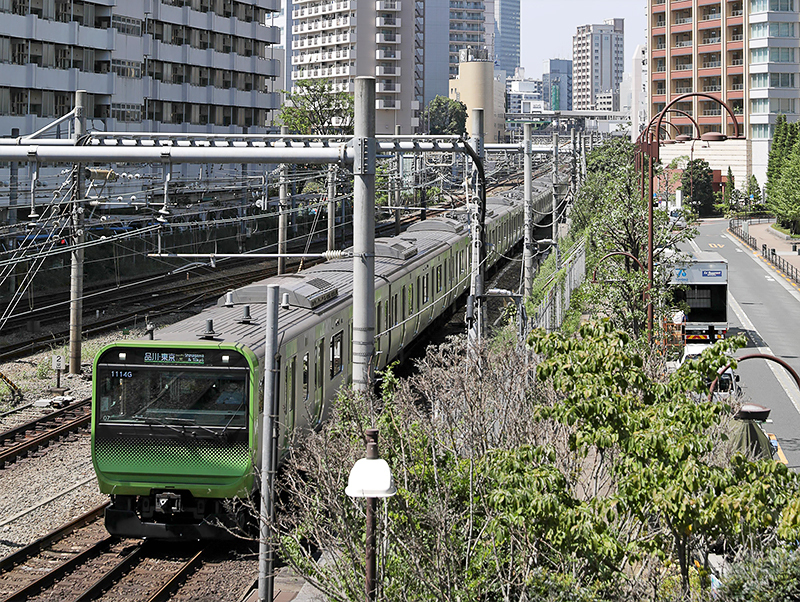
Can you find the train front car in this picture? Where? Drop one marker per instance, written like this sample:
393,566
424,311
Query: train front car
173,427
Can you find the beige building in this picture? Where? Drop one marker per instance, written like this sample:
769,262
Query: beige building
478,88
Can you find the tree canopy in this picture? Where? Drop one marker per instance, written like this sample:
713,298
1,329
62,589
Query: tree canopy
696,184
315,108
445,116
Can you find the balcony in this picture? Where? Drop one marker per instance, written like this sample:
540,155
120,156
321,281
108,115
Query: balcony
388,70
387,38
387,103
712,112
387,5
737,12
737,37
683,20
683,89
712,64
387,87
388,55
737,87
712,40
683,67
713,88
387,21
737,62
683,43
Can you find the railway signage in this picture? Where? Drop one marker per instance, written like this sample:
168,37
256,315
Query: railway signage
58,362
175,358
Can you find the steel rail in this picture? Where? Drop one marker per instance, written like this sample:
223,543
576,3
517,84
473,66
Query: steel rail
179,577
37,546
61,570
117,571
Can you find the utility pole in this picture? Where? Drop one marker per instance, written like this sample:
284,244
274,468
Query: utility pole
269,449
76,257
527,253
574,170
397,186
283,192
332,207
364,235
476,284
555,198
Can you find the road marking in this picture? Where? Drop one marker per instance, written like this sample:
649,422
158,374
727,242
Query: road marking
792,288
770,278
714,245
739,251
788,385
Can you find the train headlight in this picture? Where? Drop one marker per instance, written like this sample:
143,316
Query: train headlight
123,357
226,359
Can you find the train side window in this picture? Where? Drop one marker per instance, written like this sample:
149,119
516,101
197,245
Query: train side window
387,314
452,274
403,304
411,299
305,377
336,353
289,390
438,278
378,317
425,285
394,310
419,292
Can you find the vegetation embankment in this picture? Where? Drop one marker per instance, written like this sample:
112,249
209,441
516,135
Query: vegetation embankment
572,467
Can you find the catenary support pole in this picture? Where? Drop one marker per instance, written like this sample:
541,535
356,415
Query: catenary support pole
476,284
527,253
269,441
397,186
555,198
76,266
574,170
283,203
364,235
332,207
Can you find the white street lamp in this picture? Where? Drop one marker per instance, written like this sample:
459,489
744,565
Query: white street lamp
371,478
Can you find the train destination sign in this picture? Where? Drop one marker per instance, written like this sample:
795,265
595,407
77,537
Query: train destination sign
175,358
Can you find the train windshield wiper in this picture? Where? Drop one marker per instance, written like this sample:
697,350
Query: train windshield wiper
174,423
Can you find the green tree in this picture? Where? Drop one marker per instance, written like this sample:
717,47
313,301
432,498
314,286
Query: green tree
753,194
315,108
445,116
784,200
776,152
696,183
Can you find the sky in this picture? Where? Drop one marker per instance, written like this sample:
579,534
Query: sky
547,26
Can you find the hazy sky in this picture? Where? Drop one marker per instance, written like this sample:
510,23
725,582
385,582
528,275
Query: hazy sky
547,26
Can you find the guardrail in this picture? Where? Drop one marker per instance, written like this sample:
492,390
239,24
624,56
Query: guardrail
550,312
735,227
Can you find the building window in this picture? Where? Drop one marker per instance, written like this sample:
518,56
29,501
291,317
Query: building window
757,6
772,30
761,131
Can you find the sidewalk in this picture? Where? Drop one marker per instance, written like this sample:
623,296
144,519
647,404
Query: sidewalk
774,248
289,587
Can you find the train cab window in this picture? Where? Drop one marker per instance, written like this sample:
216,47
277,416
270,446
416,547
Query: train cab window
171,396
290,390
336,353
305,377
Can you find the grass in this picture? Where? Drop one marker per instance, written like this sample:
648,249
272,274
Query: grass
786,231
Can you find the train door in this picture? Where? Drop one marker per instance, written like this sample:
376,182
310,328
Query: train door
395,316
403,315
378,317
418,306
319,379
289,399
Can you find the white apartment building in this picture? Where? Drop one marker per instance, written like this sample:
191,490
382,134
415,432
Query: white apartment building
598,62
332,40
469,29
163,65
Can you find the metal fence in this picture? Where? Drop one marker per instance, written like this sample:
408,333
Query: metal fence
739,228
550,313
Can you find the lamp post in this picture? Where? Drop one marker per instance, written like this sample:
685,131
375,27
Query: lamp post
750,356
647,144
371,478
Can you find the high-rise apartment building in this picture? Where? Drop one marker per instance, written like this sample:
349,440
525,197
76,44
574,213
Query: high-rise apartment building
598,62
467,29
164,65
506,39
333,41
744,52
557,85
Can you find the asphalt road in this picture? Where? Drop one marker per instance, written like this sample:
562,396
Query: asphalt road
766,308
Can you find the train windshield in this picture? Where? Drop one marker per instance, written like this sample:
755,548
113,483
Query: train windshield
176,397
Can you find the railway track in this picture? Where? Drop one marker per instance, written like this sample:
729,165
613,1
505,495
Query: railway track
80,561
22,439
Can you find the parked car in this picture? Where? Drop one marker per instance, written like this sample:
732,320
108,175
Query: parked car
676,220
